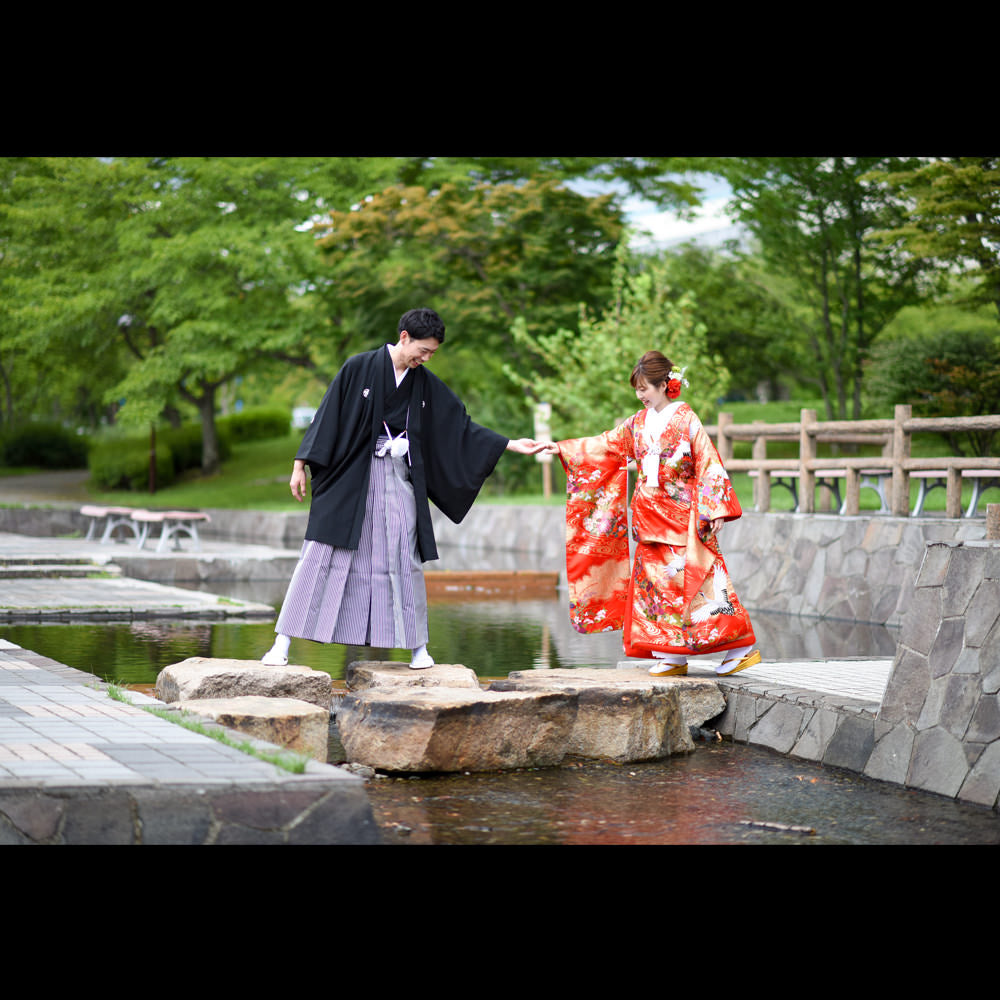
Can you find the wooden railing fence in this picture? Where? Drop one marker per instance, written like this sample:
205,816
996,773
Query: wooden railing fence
894,467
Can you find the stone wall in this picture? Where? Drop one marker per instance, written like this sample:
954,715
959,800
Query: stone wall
938,727
853,568
824,565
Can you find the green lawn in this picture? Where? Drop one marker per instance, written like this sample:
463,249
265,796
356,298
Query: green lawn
256,476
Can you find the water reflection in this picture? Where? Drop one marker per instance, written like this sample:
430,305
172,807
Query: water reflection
491,636
722,794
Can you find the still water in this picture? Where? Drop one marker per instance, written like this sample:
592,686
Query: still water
723,793
720,794
492,636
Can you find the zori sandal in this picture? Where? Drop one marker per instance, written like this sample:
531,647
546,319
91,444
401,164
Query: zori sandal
734,666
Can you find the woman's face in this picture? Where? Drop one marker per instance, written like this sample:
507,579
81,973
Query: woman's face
653,397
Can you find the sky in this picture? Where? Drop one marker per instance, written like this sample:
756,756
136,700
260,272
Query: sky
710,226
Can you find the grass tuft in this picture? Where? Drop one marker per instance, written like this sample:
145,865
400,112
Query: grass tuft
286,760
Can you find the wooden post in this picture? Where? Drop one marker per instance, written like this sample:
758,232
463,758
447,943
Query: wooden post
807,452
762,488
993,521
900,452
852,492
725,443
152,458
953,494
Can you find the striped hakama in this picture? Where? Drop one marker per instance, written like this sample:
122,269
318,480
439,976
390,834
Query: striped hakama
373,595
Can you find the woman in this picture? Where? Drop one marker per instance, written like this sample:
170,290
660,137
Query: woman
679,601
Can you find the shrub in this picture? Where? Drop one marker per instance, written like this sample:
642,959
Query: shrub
124,465
185,443
48,445
256,424
942,373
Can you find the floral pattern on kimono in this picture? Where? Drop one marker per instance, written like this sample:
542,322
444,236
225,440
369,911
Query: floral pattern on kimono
678,597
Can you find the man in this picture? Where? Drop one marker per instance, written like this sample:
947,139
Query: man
388,436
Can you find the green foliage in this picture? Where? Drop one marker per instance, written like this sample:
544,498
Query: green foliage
942,374
255,477
48,445
482,254
745,321
185,444
124,465
586,377
952,217
815,220
159,280
256,424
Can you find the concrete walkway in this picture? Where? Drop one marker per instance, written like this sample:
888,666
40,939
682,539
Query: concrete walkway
77,767
71,577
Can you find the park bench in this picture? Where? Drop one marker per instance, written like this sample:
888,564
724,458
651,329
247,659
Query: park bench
113,517
173,523
873,479
929,479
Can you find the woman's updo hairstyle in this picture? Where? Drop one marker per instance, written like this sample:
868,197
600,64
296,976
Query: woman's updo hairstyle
652,368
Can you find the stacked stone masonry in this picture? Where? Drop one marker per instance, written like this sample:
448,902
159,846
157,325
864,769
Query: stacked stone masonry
938,726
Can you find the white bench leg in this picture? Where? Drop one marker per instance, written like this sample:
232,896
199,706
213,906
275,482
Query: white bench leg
166,533
926,485
979,486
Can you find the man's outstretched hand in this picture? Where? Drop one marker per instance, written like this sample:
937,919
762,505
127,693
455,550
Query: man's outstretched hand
525,446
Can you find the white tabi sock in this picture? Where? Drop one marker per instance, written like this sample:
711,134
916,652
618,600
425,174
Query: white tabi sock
421,659
732,656
674,659
277,655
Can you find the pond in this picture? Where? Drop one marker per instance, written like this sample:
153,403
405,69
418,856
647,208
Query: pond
723,793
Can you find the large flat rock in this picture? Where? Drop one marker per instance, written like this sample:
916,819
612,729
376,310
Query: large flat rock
534,719
700,698
364,674
440,729
200,677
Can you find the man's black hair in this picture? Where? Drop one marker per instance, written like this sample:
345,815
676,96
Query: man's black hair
421,324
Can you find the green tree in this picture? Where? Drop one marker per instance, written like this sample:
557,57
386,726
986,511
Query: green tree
952,219
746,321
56,355
483,256
586,378
198,267
814,219
657,179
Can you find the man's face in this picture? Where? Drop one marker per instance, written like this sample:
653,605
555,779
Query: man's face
414,352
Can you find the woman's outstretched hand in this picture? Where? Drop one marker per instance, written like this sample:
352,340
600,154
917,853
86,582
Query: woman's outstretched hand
526,446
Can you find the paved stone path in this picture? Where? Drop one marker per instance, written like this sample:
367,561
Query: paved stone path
58,726
78,767
862,679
